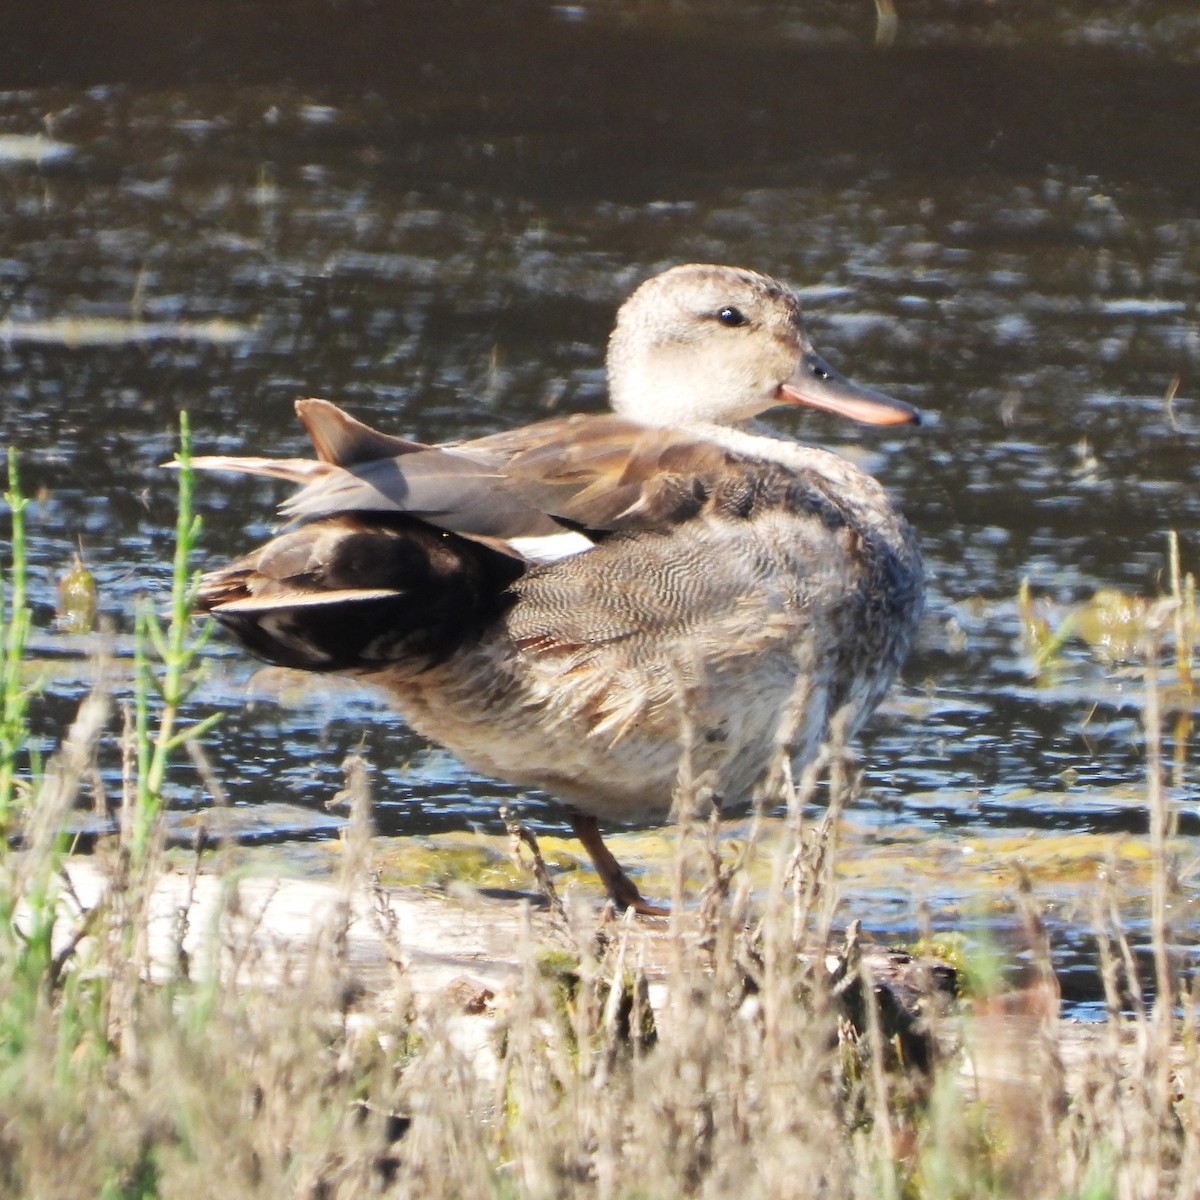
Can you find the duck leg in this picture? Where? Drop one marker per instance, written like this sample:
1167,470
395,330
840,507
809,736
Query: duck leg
621,889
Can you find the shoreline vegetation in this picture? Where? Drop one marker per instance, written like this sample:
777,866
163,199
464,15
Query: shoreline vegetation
174,1024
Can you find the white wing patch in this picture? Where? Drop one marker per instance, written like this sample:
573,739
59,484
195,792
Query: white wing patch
551,547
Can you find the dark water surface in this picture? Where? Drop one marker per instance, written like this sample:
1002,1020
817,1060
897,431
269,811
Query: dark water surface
430,212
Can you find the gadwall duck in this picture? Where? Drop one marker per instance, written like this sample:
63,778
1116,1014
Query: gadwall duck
604,607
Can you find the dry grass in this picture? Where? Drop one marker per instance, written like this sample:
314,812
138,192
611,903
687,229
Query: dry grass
749,1082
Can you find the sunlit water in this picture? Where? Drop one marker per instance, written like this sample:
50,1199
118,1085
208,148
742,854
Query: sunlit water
439,242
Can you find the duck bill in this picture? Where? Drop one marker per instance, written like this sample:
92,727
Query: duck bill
818,385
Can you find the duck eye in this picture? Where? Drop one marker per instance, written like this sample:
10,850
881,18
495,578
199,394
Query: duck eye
731,316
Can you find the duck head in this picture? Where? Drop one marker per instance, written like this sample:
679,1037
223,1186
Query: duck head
709,344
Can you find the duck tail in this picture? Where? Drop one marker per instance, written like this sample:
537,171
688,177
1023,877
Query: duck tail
359,592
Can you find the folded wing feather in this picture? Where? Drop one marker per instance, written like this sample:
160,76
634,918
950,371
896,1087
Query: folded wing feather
518,491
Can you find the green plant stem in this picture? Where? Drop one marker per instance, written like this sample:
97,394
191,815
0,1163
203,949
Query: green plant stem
14,701
178,651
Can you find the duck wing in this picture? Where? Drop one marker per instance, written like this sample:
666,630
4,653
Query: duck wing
605,473
594,475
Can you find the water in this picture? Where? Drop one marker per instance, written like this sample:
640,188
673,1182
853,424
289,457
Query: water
429,213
